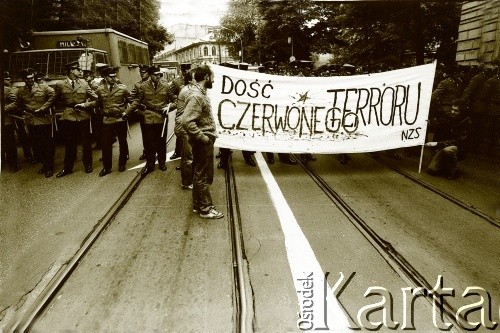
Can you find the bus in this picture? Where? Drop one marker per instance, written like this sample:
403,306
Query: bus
52,50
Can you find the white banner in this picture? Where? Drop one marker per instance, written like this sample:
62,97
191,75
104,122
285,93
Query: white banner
344,114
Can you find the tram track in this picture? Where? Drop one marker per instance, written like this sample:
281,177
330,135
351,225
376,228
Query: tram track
49,293
470,208
387,251
242,295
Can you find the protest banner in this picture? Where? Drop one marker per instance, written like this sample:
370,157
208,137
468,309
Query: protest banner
341,114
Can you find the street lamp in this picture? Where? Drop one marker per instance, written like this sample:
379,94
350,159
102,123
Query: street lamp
237,35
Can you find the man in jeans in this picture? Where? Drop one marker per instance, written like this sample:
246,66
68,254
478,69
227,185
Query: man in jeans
186,166
199,125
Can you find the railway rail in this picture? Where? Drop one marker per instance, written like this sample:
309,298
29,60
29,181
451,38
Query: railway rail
242,296
391,255
466,206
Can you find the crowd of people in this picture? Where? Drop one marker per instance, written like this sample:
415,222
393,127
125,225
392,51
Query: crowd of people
81,105
464,116
85,107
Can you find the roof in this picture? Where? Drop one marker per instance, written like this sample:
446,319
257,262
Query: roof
62,49
85,32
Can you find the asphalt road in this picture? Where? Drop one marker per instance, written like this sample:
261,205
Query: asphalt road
160,268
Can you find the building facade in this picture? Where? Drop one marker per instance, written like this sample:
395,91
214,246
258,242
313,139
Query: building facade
195,45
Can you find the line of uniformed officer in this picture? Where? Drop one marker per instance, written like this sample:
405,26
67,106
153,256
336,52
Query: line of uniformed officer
33,101
154,100
72,92
112,98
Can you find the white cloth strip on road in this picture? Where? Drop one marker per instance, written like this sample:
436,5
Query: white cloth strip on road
308,277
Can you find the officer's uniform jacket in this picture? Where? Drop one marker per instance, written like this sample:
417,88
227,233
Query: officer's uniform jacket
444,96
197,119
68,97
113,103
9,96
154,100
135,91
41,97
474,94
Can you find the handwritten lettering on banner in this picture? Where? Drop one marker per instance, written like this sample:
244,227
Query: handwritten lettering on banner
345,114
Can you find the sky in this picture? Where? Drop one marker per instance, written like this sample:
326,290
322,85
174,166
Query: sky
195,12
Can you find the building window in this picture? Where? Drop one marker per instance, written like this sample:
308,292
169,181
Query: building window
214,51
205,51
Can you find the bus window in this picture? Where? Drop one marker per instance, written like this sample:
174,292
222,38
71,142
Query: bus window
52,62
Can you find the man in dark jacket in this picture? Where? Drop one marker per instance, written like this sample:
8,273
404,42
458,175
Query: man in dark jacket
473,102
442,100
491,118
199,124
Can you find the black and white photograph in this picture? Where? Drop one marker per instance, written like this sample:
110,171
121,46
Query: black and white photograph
249,166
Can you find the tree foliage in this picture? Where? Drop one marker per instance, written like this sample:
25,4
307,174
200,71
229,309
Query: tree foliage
137,18
365,32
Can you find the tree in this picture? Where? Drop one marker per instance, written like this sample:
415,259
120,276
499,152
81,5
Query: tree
366,33
378,32
302,26
137,18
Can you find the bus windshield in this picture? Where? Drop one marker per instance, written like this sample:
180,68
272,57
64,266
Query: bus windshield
51,63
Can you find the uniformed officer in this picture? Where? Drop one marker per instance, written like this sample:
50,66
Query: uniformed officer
9,148
113,98
35,101
473,101
96,118
492,115
72,93
156,98
442,100
143,69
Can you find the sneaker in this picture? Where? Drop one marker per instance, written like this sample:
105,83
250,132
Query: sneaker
187,187
212,214
196,210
